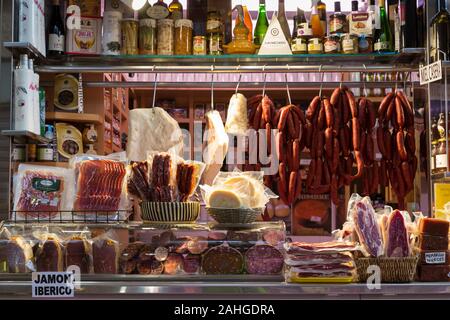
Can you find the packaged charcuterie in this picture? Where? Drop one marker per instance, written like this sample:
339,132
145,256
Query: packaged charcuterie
16,250
101,187
263,259
49,255
78,251
105,253
43,192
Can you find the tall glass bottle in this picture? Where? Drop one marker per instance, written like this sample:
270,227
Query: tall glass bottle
176,10
383,42
261,24
322,10
248,23
56,40
316,25
440,33
283,21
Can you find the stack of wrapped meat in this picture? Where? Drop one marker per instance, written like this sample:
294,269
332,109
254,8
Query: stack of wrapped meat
320,262
434,263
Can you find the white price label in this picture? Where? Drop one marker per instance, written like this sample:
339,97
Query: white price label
53,284
435,257
430,73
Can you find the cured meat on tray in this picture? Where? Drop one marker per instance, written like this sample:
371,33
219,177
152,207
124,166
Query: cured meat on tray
321,247
99,185
223,260
263,259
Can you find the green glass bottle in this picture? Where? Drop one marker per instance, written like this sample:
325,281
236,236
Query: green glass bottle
262,24
383,43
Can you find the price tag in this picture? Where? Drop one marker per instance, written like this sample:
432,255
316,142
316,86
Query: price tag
435,257
53,284
430,73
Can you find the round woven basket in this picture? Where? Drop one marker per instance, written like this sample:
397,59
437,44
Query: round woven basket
393,270
222,215
170,211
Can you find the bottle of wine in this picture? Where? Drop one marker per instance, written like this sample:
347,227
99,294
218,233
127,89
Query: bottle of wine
398,39
281,15
421,29
197,12
261,24
176,10
322,10
408,23
317,28
383,42
440,33
56,34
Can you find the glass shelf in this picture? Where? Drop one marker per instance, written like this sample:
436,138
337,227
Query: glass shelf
408,59
26,136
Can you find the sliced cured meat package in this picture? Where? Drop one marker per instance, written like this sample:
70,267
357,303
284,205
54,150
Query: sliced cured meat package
41,192
320,247
397,236
367,228
100,185
325,259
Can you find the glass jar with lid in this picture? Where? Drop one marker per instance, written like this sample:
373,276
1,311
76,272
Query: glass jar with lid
147,36
183,37
214,23
332,44
365,44
315,46
349,44
166,35
299,45
215,44
130,29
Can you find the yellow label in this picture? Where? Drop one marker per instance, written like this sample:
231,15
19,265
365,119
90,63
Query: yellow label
442,200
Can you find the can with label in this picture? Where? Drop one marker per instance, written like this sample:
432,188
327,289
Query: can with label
215,44
199,45
18,152
45,152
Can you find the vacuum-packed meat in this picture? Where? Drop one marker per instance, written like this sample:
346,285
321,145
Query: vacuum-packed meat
397,236
99,185
263,259
49,256
367,228
105,253
78,254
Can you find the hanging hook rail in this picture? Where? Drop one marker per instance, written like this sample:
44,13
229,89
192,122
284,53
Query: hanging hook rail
287,87
264,80
364,82
321,82
212,87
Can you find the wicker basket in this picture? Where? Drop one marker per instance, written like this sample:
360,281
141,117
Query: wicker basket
222,215
173,212
393,270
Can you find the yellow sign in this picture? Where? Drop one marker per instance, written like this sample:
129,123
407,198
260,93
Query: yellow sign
442,200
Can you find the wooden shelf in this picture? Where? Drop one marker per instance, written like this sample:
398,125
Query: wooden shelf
50,163
26,136
182,120
74,117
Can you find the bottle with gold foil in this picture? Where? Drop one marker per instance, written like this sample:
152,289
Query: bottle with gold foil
176,10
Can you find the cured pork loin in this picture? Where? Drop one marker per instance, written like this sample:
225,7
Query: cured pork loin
367,228
99,185
397,236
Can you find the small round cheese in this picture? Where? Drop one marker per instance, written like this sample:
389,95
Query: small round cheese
224,199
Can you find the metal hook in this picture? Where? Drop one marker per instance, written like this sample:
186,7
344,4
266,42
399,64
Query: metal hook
287,89
364,82
239,80
342,78
264,80
321,82
154,90
212,88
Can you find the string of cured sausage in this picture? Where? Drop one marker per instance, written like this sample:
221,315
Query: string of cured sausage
396,142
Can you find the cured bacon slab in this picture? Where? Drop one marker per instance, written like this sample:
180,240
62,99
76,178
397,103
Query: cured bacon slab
368,229
397,242
99,185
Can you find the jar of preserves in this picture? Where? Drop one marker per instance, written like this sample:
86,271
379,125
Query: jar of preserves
365,44
166,35
112,33
299,45
147,36
130,29
18,152
183,36
215,44
332,44
349,44
199,45
214,23
45,152
315,46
